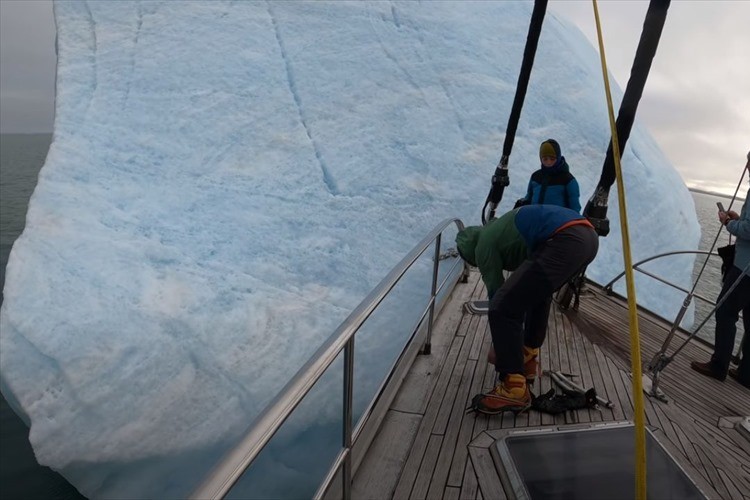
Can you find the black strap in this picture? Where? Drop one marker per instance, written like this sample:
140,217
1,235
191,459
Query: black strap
500,179
644,56
532,40
596,208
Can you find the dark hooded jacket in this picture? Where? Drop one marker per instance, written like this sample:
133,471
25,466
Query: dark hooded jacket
553,185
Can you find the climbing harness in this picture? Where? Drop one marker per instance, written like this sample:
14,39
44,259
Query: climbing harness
571,397
553,403
563,380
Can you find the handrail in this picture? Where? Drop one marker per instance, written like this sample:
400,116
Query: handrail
608,289
267,423
429,307
608,286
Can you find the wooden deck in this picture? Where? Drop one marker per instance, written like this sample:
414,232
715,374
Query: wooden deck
428,447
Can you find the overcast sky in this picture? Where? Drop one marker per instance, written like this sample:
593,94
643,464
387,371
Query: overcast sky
696,102
27,66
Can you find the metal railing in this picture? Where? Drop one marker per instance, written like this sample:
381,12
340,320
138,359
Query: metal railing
226,474
660,360
608,286
686,302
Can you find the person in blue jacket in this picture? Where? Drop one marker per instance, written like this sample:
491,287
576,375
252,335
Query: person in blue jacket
737,299
545,246
552,184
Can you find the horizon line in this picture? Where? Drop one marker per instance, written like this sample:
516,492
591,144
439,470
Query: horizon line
714,193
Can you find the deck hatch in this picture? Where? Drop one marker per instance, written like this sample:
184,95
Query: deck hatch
593,462
743,426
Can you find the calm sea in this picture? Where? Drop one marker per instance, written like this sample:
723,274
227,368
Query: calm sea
21,157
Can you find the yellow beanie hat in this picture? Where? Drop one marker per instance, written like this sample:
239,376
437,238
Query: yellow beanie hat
547,149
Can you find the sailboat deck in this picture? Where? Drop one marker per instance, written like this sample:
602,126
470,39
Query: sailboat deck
429,447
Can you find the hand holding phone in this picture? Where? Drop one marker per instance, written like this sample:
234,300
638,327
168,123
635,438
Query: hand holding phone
721,207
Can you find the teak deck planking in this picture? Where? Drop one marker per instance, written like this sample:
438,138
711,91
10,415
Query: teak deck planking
429,447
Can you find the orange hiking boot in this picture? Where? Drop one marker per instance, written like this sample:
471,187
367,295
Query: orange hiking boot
530,361
511,394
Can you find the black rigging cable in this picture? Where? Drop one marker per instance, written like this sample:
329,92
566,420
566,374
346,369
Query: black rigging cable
596,208
500,179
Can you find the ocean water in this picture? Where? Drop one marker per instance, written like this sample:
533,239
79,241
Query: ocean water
709,283
21,158
21,477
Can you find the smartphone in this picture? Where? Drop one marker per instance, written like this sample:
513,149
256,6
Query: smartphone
721,207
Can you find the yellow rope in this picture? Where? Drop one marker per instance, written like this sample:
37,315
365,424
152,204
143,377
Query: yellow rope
635,349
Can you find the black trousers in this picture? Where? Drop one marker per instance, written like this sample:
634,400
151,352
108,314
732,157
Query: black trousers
518,311
726,325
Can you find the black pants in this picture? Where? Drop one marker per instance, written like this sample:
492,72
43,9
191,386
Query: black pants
726,325
518,310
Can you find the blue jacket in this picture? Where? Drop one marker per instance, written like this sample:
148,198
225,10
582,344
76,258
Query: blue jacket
554,186
741,229
537,223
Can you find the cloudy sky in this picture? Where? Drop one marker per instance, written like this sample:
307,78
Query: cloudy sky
695,104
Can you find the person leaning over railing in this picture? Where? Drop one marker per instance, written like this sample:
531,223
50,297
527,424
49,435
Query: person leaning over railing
546,245
738,300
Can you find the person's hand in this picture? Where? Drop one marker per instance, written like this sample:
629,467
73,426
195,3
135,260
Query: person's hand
725,217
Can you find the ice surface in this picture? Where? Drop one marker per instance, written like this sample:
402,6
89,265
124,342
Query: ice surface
228,180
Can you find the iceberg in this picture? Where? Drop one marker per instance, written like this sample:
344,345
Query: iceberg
227,180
